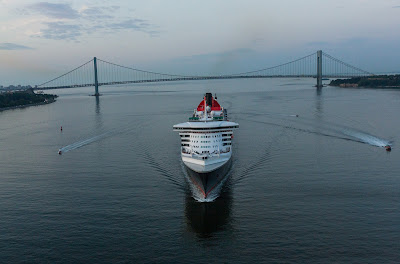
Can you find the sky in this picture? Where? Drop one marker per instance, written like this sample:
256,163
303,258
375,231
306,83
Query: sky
40,40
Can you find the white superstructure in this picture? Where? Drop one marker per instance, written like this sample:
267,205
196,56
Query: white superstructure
206,139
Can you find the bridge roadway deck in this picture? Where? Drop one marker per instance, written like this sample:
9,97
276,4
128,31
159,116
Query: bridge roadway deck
188,79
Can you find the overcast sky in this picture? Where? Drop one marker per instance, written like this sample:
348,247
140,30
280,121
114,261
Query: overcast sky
42,39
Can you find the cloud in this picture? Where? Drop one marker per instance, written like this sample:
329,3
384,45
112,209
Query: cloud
60,30
12,46
136,24
64,22
59,11
97,13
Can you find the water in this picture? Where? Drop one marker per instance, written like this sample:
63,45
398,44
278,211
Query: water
315,188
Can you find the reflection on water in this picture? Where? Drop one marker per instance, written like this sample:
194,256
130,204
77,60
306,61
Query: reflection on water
319,102
204,219
98,115
97,105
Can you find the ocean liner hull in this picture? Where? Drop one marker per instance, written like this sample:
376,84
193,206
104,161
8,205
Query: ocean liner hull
207,182
208,165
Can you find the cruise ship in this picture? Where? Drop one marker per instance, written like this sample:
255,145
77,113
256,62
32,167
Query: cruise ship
206,143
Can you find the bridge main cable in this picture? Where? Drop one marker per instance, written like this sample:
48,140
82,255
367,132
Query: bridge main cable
347,65
273,67
151,72
65,73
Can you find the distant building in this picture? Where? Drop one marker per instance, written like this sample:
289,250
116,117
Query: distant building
30,91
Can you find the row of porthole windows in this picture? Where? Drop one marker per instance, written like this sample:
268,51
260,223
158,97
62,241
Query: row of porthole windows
209,141
216,146
196,141
213,136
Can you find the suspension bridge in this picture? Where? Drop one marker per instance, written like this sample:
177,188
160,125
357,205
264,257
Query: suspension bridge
97,72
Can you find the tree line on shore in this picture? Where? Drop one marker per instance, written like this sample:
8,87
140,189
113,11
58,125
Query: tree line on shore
370,81
13,99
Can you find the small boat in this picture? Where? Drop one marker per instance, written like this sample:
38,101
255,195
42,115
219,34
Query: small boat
388,148
59,152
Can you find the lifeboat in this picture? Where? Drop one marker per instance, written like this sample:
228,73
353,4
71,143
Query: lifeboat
388,148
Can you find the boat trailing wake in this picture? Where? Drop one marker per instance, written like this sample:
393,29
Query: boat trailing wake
93,139
83,143
366,138
332,130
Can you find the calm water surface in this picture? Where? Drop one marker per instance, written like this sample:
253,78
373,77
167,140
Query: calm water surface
317,188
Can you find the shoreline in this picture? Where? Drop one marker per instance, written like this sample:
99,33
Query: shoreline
367,87
27,105
372,82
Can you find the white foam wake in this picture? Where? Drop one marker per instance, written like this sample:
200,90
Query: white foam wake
366,138
83,142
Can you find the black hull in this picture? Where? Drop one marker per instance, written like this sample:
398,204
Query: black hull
206,183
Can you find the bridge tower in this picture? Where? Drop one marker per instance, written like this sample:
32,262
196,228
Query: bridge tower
319,69
96,82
